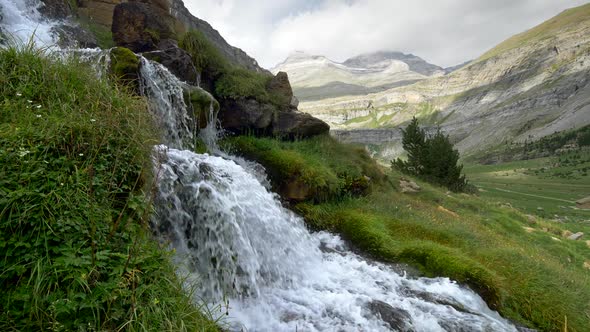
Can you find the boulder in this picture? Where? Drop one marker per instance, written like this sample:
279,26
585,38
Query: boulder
124,66
398,319
244,115
293,124
140,26
408,186
279,86
201,104
576,236
177,60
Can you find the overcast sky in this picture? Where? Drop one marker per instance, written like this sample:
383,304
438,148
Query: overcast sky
444,32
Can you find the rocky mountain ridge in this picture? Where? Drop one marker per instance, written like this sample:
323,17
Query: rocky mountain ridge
530,86
315,77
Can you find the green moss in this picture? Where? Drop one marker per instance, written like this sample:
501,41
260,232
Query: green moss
329,169
201,102
74,206
124,64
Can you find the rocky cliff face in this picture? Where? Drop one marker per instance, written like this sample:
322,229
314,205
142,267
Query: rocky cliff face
530,86
317,77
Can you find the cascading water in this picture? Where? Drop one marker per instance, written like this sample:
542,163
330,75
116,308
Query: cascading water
20,20
233,234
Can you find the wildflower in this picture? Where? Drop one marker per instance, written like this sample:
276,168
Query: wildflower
92,120
38,106
81,155
38,115
18,94
22,152
29,101
61,184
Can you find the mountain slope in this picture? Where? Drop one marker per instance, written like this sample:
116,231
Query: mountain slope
529,86
315,77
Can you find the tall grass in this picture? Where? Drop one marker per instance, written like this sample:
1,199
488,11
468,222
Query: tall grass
77,253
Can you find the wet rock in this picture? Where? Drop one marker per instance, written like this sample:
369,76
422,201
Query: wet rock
201,104
124,66
398,319
576,236
74,36
177,60
56,9
140,27
408,186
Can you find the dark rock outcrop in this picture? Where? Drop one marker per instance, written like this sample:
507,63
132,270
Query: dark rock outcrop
398,319
75,36
295,124
247,115
56,9
177,60
140,26
280,85
235,55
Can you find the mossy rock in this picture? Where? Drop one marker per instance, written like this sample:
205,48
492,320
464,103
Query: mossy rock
124,65
199,102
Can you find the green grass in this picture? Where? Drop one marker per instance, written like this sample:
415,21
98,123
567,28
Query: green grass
324,168
77,253
229,81
568,18
511,261
546,187
103,34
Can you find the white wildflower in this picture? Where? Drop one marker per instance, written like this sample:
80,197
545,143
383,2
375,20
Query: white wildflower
81,155
92,120
22,152
29,101
38,115
18,94
38,106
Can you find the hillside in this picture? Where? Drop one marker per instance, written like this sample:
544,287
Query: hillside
530,86
122,207
317,77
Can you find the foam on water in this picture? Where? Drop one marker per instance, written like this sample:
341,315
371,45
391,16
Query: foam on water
21,21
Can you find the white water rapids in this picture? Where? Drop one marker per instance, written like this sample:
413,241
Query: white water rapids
249,252
21,21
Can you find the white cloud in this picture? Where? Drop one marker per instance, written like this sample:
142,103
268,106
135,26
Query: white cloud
444,32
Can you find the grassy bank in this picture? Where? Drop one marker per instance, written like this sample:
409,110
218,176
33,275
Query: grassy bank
77,253
522,267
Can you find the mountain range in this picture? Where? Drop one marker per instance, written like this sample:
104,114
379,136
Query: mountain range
529,86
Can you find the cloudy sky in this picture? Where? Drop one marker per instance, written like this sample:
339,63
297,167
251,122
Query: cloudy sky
444,32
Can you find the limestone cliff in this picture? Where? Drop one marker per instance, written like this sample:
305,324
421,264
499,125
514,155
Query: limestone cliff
531,85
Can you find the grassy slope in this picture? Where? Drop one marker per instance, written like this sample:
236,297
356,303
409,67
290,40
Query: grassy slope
76,250
570,17
524,273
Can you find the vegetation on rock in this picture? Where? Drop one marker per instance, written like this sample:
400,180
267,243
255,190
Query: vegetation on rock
77,251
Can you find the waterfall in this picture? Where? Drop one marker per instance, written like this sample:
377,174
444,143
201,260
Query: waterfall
243,246
21,21
233,235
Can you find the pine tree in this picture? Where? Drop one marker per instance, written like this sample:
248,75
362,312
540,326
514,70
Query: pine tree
433,158
413,139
